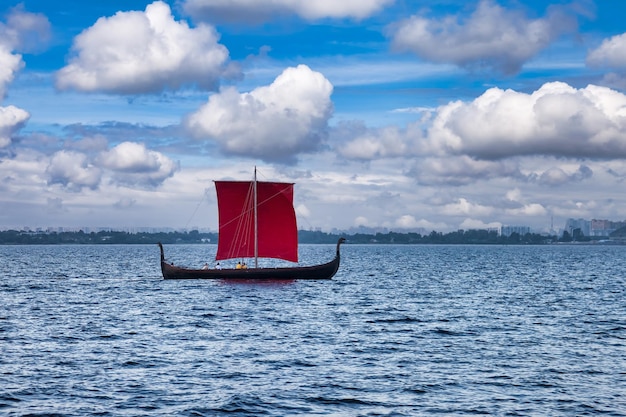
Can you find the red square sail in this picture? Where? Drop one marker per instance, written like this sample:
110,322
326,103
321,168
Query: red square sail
276,220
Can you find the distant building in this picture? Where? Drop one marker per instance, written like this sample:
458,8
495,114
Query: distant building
578,224
604,228
507,231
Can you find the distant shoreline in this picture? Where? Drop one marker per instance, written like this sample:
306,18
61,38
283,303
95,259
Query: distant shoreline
465,237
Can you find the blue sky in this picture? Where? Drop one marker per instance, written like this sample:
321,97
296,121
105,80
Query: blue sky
403,115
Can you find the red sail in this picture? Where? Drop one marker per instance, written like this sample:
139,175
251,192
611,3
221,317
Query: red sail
276,220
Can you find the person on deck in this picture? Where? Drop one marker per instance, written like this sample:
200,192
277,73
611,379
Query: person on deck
238,265
218,266
205,266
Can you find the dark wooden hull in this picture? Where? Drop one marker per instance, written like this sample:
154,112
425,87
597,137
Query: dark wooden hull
315,272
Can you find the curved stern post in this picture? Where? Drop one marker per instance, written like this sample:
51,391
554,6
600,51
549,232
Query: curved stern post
162,260
162,254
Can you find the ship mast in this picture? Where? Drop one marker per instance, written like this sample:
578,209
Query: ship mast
256,224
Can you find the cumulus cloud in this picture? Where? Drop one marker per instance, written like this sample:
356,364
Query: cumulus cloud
25,31
22,31
73,170
362,221
463,207
409,222
11,120
133,163
274,122
256,11
533,209
490,37
611,53
128,163
556,120
10,64
422,225
144,52
473,224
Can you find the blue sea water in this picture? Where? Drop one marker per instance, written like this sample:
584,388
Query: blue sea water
400,331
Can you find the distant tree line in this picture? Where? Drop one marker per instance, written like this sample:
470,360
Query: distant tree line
14,237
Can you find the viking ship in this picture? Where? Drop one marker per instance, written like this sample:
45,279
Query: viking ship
256,220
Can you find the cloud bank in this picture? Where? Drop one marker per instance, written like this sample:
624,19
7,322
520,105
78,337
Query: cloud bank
144,52
273,123
556,120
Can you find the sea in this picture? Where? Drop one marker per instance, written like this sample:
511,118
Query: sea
420,330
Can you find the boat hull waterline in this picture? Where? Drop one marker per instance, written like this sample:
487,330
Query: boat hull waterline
314,272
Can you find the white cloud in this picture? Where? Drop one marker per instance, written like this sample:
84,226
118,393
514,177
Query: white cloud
257,11
611,53
463,207
406,221
362,221
10,64
429,225
556,120
409,222
533,209
132,163
144,52
22,31
473,224
274,122
73,170
25,31
491,37
514,195
11,120
130,157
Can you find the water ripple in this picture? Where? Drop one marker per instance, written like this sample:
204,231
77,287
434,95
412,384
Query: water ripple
400,331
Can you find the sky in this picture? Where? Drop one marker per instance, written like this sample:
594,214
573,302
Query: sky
387,114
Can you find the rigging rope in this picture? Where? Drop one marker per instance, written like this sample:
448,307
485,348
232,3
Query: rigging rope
206,191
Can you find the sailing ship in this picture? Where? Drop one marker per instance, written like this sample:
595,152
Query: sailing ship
256,220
